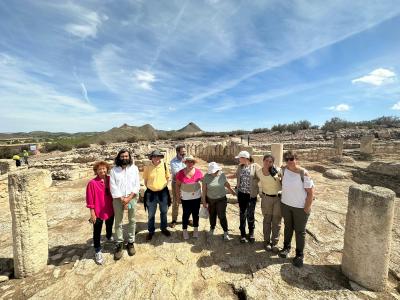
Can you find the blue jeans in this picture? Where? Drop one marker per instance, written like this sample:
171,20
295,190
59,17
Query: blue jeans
154,198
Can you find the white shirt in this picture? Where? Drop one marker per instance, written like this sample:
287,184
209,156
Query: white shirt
293,189
124,181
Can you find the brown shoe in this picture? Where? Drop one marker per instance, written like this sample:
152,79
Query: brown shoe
149,236
118,251
172,224
131,249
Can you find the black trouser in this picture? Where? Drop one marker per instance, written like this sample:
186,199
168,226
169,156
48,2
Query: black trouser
97,231
247,206
295,219
190,207
218,207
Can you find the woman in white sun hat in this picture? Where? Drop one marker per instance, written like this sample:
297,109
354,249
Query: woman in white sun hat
214,197
247,185
188,192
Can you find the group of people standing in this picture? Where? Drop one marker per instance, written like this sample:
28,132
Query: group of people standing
24,159
286,192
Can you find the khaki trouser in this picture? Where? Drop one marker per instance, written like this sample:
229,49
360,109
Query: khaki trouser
271,210
295,219
118,218
175,204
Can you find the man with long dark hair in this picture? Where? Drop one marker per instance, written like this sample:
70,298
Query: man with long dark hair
124,185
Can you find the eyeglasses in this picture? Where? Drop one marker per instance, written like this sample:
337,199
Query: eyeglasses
290,159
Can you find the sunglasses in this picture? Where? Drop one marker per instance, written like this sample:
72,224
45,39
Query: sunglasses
289,159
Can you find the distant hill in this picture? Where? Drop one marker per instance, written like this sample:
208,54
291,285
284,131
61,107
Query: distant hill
116,134
190,128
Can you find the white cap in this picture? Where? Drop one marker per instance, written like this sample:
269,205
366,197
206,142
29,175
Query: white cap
213,167
243,154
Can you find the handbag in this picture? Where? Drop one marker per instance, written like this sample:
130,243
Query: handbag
204,213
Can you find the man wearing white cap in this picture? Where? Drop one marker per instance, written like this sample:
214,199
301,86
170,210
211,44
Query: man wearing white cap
247,184
214,197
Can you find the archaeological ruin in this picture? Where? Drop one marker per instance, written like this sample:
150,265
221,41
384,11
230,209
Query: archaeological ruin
352,242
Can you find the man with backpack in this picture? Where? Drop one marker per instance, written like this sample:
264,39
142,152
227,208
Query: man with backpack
156,176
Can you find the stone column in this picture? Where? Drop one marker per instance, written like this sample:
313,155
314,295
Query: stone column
338,145
366,144
277,152
367,236
29,220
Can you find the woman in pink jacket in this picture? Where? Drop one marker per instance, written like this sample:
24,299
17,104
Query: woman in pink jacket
100,203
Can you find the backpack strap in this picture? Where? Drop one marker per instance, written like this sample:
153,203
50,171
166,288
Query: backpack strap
301,173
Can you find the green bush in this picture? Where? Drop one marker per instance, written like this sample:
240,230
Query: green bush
261,130
335,124
7,153
83,145
132,139
50,147
102,143
292,127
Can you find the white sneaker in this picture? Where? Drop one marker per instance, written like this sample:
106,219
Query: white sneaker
226,236
196,232
110,240
211,232
98,257
185,234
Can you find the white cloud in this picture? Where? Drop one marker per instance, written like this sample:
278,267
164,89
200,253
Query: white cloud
396,106
84,92
377,77
340,107
87,25
29,93
144,79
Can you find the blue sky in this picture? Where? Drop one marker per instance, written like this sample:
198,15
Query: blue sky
92,65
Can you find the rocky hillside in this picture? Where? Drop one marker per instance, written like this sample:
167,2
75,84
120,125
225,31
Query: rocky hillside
146,132
190,128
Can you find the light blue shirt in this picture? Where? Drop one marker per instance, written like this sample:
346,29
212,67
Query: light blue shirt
176,165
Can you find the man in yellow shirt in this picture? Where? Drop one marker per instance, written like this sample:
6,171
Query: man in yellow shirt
156,176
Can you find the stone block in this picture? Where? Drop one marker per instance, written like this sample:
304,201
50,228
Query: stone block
385,168
366,144
29,220
277,153
338,145
367,237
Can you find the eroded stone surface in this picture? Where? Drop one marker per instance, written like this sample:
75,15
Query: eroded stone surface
367,239
29,220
